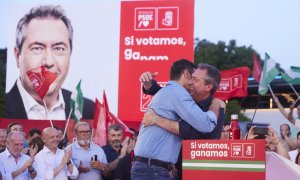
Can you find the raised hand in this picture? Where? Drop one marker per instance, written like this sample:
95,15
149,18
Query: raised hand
33,150
67,156
146,78
82,168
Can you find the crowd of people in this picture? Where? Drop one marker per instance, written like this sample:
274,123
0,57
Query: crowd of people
39,156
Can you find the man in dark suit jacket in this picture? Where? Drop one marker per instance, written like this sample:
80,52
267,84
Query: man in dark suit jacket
44,38
14,106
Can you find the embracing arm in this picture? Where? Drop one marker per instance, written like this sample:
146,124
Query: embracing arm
181,128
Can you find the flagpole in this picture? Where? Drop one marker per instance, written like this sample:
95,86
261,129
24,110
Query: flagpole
67,122
47,113
271,90
92,134
294,90
291,87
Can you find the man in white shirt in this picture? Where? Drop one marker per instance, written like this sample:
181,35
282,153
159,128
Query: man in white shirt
52,162
13,163
88,157
293,154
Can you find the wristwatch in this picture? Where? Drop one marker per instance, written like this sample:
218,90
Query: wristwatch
30,170
69,162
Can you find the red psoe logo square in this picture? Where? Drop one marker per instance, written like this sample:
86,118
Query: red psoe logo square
236,150
145,18
168,18
249,150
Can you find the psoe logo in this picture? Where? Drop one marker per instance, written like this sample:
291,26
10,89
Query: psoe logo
145,18
156,18
168,18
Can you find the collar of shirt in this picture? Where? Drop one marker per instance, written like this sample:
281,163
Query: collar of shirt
77,146
47,150
174,83
110,148
8,154
32,104
204,104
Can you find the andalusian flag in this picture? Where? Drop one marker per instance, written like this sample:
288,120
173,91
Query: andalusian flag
269,73
292,75
76,103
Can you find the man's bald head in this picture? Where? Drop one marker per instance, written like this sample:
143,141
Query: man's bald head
51,138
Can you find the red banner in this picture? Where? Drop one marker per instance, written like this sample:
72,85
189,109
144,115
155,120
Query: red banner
225,159
153,35
234,83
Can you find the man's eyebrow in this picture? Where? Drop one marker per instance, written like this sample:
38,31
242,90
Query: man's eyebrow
37,43
60,43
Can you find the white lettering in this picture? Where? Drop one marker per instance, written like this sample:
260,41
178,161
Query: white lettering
132,55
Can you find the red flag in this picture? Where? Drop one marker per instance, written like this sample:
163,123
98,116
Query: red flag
234,83
41,79
100,124
103,118
256,73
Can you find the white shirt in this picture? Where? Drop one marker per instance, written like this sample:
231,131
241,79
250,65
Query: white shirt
9,165
46,161
80,154
293,155
36,111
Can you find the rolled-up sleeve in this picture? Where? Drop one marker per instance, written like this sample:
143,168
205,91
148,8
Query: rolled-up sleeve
74,173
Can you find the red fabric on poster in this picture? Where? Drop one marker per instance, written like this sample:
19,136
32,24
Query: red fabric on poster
41,79
256,73
234,83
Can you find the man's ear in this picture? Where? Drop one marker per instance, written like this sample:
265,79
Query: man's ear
17,55
187,74
209,87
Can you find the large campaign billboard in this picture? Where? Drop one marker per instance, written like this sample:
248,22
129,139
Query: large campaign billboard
154,34
113,43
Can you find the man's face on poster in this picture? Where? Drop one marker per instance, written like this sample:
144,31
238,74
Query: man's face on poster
46,43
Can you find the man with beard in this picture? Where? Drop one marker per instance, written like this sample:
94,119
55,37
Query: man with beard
88,157
113,149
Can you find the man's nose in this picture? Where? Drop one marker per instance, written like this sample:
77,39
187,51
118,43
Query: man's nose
48,59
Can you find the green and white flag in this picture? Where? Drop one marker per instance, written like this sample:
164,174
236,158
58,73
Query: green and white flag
268,73
76,103
292,75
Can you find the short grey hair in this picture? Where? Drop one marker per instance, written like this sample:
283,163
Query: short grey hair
42,12
213,76
81,123
14,133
